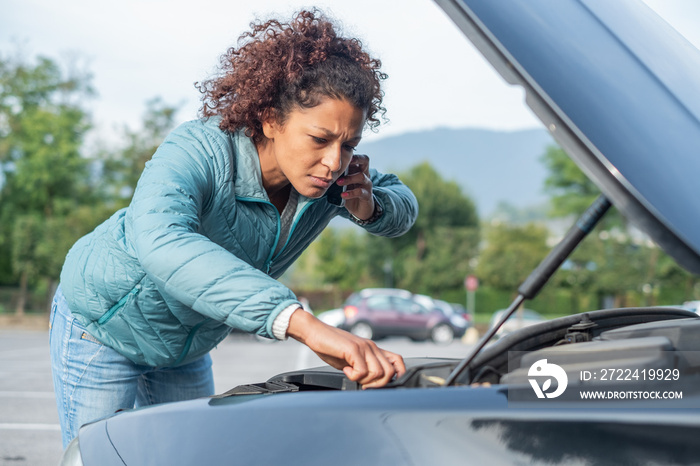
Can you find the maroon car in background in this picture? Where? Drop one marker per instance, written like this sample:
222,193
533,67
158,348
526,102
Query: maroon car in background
381,312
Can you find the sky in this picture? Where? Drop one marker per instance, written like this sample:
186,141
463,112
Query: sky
140,49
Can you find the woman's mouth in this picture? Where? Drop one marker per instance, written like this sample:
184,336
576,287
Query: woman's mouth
323,183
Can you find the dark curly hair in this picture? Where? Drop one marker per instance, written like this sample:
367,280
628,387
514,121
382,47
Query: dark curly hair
281,66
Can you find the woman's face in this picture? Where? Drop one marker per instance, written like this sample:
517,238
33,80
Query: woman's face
312,148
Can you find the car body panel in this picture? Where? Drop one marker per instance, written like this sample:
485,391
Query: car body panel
334,317
617,88
461,425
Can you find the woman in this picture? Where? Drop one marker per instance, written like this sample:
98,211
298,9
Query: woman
224,207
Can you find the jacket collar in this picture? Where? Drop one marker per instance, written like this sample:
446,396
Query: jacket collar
248,174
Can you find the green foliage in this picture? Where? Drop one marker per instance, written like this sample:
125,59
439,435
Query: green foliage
442,204
27,233
511,253
44,178
49,196
122,168
614,262
435,254
571,190
445,262
338,258
41,133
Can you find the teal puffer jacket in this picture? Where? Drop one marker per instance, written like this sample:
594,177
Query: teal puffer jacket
164,280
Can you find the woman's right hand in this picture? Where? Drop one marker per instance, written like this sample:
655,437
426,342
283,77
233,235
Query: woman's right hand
360,359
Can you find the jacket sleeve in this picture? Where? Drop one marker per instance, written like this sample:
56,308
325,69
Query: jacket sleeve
398,202
174,190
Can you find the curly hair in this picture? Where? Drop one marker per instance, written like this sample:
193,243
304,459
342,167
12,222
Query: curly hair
278,67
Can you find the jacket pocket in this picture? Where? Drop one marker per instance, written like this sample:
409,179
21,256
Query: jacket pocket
120,304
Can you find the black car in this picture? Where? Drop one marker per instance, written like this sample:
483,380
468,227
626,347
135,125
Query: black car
619,90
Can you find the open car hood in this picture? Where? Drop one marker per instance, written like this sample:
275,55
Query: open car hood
618,89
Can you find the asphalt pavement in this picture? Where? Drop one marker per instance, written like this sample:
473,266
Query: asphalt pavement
29,430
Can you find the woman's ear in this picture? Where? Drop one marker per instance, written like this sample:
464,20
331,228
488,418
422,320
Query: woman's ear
270,126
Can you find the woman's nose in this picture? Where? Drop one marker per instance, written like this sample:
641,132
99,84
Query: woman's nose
332,158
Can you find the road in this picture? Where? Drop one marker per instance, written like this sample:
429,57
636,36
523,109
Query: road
29,431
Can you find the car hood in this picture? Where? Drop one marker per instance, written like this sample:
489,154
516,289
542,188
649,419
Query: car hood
459,425
617,88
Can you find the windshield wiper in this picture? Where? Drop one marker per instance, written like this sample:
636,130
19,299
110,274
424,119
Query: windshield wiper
537,279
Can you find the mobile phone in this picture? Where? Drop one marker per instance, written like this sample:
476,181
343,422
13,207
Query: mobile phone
335,191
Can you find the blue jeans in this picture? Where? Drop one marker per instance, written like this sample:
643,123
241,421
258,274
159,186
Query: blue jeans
91,380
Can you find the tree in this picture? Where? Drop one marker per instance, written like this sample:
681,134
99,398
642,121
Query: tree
510,254
434,255
27,233
42,126
570,189
337,260
614,260
446,262
122,168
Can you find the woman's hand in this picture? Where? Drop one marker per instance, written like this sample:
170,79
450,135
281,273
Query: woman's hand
361,360
358,194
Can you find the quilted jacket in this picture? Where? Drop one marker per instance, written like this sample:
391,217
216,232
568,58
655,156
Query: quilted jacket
164,280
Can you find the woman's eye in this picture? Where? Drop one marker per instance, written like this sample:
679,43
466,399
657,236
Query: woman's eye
319,140
349,148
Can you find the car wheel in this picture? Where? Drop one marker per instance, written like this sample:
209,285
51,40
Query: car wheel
362,330
442,334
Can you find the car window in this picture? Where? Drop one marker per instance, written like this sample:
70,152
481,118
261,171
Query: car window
408,306
353,299
379,303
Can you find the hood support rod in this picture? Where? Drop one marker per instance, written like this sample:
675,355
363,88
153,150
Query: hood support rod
539,277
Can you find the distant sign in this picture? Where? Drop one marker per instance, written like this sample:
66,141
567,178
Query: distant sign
471,283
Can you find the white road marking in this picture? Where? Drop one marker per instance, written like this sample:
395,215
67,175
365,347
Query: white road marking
27,395
24,352
11,426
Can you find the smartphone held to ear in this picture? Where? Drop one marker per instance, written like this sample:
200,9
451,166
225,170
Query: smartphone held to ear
335,192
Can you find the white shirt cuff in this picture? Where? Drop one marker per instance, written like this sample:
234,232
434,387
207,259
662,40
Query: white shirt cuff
281,322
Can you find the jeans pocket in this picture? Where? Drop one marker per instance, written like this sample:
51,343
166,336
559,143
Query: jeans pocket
88,337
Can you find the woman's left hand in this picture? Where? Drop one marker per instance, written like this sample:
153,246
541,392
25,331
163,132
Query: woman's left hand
358,194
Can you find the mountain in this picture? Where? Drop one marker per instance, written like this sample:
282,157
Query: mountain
491,166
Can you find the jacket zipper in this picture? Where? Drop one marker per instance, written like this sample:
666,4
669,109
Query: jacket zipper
120,304
188,343
270,259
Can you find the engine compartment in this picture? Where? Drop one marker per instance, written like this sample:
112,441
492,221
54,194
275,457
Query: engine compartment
621,338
